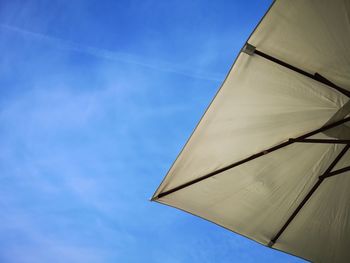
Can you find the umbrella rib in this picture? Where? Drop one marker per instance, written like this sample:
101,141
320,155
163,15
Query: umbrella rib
326,174
316,76
254,156
322,141
339,171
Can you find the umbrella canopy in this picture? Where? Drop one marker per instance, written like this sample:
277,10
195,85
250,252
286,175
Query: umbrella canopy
269,159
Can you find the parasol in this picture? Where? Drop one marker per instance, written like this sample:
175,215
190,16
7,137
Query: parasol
270,158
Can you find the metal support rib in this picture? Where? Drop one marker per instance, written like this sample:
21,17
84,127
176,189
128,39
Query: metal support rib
262,153
316,76
339,171
327,141
326,174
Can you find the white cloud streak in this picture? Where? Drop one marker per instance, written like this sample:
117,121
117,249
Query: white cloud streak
114,56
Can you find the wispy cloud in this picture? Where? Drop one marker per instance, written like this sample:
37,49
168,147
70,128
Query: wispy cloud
115,56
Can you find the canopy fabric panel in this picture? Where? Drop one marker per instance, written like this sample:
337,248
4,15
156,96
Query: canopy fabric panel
313,35
280,120
320,232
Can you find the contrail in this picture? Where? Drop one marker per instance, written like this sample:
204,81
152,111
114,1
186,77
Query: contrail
114,56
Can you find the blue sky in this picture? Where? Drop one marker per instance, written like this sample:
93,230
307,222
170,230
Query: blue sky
97,99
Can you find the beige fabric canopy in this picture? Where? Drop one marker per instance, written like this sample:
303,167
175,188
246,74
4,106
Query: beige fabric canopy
269,159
